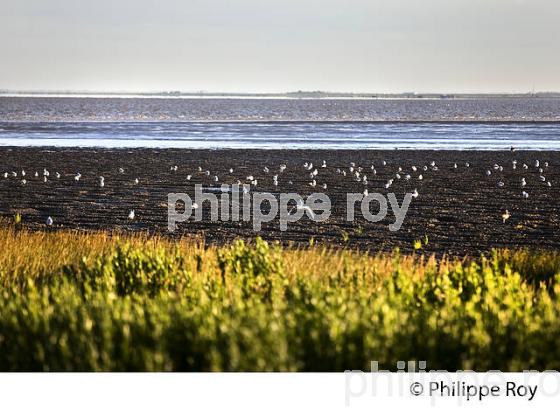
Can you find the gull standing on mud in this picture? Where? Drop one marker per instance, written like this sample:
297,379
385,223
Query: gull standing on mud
300,206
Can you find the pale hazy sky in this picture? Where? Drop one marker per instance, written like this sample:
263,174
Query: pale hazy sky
281,45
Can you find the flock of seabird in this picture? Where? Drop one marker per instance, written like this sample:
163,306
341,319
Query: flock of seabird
352,171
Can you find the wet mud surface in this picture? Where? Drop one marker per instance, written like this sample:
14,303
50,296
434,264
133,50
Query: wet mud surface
457,210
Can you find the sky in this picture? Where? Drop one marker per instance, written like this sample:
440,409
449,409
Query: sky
275,46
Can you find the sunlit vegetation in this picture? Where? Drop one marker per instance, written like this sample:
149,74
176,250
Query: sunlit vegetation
100,301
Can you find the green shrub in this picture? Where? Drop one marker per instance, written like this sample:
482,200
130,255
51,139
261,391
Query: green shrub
254,269
127,271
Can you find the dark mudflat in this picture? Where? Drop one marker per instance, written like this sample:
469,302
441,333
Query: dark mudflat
459,210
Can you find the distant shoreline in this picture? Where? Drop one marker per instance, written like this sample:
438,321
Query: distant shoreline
288,95
297,121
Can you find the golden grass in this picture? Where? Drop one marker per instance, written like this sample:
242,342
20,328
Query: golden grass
36,253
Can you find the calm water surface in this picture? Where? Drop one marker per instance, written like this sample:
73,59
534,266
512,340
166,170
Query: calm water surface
526,123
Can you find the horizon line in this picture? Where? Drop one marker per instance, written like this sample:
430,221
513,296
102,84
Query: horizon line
368,94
